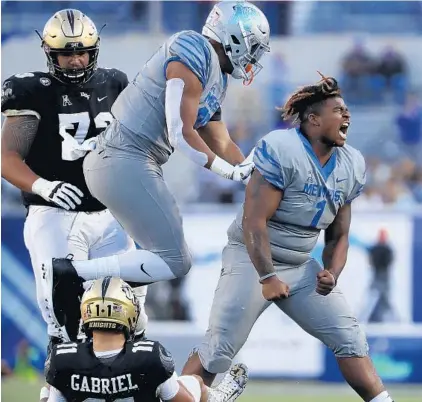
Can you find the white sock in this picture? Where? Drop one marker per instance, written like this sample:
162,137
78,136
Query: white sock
134,266
192,385
382,397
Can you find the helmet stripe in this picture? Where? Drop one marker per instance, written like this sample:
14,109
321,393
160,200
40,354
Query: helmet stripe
71,18
104,286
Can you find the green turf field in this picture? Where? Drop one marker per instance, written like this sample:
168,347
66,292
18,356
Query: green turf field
16,390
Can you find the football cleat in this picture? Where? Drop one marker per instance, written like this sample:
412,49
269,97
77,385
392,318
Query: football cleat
232,385
62,291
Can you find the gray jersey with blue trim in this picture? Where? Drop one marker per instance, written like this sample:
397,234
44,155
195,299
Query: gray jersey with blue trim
140,108
312,194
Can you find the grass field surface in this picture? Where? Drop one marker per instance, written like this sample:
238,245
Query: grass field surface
16,390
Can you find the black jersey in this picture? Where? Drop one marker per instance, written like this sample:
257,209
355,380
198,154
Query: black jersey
83,109
135,373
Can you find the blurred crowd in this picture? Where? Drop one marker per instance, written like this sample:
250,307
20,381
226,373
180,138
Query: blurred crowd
369,78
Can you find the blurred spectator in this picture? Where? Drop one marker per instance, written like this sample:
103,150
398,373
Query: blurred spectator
357,68
416,185
397,195
378,172
166,301
5,368
276,74
381,256
26,359
391,73
409,123
369,199
178,306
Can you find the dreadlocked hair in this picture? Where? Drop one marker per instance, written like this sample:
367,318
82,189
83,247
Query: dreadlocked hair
299,105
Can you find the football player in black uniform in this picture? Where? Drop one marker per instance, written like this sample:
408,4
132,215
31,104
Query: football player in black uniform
71,101
110,366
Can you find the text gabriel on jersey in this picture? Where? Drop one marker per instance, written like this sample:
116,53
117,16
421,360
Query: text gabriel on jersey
104,386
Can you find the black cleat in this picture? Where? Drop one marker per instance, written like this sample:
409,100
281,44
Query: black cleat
62,292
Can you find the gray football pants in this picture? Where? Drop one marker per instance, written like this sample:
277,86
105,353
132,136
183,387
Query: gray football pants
134,191
238,303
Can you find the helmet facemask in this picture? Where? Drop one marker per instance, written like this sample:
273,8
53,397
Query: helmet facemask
245,65
72,75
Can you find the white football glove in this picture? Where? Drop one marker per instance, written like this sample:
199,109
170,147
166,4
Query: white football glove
244,170
63,194
71,149
241,172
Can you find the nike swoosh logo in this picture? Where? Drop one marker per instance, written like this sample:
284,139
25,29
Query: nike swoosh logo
340,180
101,99
145,272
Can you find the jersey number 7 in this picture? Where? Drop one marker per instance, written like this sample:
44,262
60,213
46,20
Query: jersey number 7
81,121
320,206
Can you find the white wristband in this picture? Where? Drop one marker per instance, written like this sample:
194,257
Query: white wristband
222,168
45,393
38,185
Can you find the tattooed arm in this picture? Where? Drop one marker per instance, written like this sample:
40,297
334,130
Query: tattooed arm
17,136
334,255
261,202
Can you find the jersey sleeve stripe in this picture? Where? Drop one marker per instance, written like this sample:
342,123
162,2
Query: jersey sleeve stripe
265,151
271,177
198,54
23,112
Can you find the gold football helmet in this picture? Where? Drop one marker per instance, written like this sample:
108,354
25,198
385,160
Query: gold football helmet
66,32
109,304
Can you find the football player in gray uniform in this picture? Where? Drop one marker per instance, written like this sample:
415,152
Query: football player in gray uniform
305,181
173,103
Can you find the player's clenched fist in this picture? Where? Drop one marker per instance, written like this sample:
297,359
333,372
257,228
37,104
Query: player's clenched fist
273,289
326,282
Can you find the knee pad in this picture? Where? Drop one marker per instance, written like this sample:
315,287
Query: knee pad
352,344
214,361
181,264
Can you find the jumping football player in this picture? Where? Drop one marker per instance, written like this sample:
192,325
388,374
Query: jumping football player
113,367
305,181
173,103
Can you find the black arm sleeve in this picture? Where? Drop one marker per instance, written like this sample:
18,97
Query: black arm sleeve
217,115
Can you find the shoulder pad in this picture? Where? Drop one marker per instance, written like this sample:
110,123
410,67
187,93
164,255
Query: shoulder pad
166,360
19,93
274,156
58,361
117,76
193,50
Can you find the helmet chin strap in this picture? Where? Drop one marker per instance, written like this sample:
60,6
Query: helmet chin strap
248,81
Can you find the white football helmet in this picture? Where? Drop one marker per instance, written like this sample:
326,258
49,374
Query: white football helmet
244,32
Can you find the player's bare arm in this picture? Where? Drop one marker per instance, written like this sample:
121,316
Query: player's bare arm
261,202
334,255
217,137
192,90
183,92
17,136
